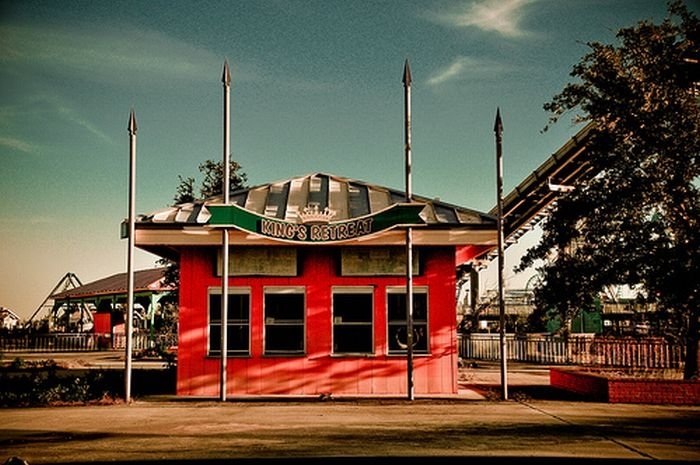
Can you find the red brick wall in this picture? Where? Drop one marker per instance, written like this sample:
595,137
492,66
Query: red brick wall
626,390
592,386
651,391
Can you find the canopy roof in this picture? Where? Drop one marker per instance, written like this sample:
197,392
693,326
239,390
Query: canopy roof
345,199
144,280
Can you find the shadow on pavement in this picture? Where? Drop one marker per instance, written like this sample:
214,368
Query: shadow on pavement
384,460
527,392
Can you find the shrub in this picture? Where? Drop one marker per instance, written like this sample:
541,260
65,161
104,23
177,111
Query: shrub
38,384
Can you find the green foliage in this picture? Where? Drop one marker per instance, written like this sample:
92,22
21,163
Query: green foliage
184,193
636,222
212,181
211,185
213,173
27,383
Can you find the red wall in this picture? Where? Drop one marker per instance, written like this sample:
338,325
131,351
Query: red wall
102,323
318,371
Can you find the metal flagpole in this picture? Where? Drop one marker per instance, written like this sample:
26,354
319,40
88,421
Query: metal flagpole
409,235
226,79
128,327
498,129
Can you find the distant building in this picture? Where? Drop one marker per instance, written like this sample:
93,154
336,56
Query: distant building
99,306
9,319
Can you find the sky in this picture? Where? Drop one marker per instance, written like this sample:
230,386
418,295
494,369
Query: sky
316,87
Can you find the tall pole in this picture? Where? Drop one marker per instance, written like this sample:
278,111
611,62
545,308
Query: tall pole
226,79
498,129
409,235
129,324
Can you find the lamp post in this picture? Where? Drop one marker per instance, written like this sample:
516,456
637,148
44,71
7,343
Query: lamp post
226,80
409,234
498,129
129,323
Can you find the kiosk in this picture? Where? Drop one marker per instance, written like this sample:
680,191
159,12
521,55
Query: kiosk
316,305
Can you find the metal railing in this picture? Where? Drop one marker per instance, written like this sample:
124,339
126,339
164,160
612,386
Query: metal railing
576,350
145,341
81,342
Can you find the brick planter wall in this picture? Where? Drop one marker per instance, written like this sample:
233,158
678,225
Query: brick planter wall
591,386
600,388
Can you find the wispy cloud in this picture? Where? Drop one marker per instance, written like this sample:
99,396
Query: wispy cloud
503,17
116,55
70,115
466,68
16,144
42,107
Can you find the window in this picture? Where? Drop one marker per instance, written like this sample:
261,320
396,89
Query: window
352,321
284,321
396,310
238,323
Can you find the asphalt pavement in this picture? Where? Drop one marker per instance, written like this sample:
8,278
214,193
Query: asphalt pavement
536,425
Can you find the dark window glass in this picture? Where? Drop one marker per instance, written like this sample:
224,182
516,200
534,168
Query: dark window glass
238,324
284,323
352,323
396,310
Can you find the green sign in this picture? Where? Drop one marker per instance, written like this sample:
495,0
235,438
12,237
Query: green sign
400,214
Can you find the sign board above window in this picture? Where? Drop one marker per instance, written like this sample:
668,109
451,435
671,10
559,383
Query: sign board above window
260,261
376,261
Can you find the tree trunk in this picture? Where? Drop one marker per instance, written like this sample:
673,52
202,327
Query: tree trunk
690,370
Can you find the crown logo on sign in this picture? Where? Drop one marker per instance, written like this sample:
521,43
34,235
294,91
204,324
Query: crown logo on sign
312,214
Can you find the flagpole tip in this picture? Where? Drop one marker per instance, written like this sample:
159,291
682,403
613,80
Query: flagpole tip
132,122
498,125
406,73
226,78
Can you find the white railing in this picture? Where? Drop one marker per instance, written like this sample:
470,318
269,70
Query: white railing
576,350
144,341
80,342
54,342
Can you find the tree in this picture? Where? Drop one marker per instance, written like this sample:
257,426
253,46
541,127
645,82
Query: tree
212,182
636,221
211,186
184,192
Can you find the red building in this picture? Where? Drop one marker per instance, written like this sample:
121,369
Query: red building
317,287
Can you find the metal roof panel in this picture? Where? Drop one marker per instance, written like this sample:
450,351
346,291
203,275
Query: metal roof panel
347,198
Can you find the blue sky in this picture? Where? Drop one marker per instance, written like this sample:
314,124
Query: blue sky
316,87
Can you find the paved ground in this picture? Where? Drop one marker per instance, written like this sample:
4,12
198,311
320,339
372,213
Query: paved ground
539,424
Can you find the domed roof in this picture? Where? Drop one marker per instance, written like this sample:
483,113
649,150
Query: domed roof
345,198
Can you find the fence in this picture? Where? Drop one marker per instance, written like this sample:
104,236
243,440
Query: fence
576,350
145,341
80,342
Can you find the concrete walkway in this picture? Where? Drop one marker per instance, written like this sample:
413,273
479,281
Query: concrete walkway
166,431
537,425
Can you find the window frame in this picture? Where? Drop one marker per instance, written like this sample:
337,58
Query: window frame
236,290
284,290
363,290
417,290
